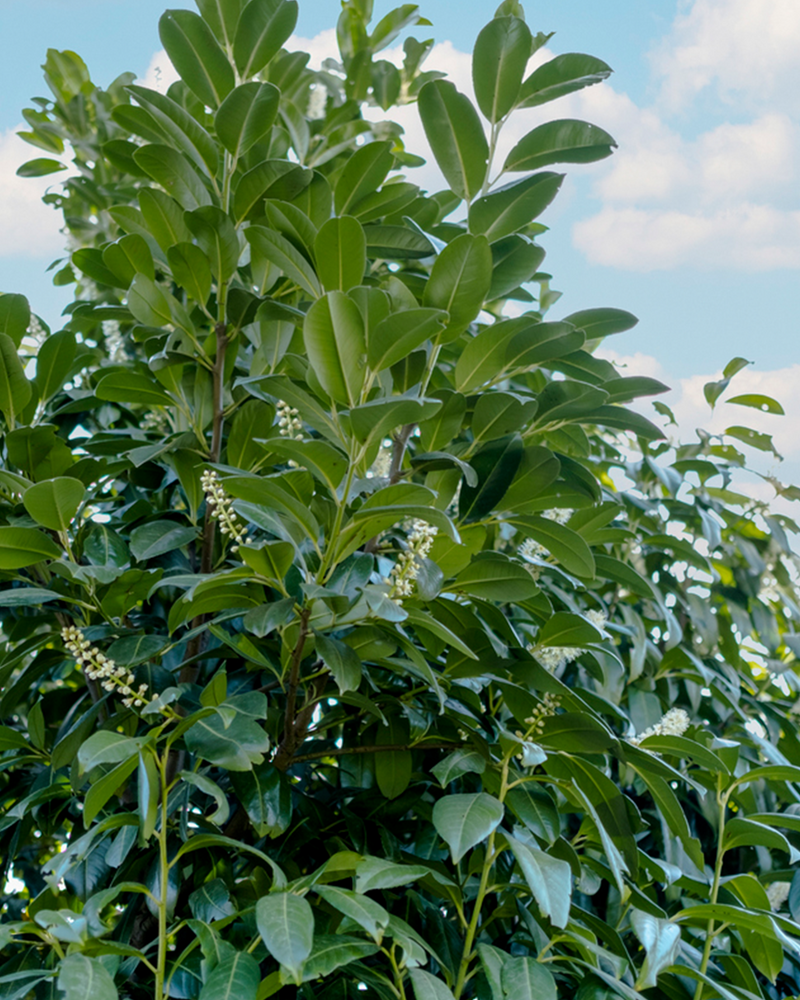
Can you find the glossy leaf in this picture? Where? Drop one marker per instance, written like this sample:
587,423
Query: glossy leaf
567,141
333,333
53,503
499,59
463,821
341,253
456,137
286,925
263,27
196,55
246,116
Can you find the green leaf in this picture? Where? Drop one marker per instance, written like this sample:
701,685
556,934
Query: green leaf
15,316
496,464
428,987
376,419
548,878
362,175
507,209
459,282
565,629
84,978
286,925
280,252
564,141
21,597
222,16
332,951
275,179
53,503
174,173
457,763
376,873
463,821
191,270
158,537
680,746
128,257
396,243
527,979
495,577
342,661
236,975
263,28
560,76
455,135
246,116
766,404
401,333
236,746
499,59
164,218
266,795
21,547
129,387
368,914
149,795
54,362
179,127
196,55
106,787
217,238
15,389
601,322
340,250
148,302
107,747
40,167
333,333
562,542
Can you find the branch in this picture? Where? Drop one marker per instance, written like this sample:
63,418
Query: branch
388,748
288,744
400,441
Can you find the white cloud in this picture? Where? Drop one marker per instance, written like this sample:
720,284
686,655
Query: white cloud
160,74
29,227
744,49
744,236
723,198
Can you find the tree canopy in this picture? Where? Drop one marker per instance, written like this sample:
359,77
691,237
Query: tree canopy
359,637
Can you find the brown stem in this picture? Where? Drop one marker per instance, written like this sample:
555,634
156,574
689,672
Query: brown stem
398,451
400,441
388,748
288,745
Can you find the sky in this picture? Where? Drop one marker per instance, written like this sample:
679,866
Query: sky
693,224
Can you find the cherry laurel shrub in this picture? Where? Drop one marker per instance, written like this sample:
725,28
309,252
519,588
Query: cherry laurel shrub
358,640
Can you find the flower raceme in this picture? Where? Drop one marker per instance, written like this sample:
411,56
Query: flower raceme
674,723
406,570
220,507
98,667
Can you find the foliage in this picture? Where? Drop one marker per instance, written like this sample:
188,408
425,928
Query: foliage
358,638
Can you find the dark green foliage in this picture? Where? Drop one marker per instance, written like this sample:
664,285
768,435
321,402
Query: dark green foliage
393,588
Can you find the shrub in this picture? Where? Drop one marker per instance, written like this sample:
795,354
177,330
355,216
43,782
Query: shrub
358,639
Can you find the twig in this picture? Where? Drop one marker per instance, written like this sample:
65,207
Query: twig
288,745
388,748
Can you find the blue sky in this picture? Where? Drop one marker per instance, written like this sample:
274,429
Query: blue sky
694,224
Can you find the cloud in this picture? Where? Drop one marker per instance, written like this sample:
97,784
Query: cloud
160,73
727,196
29,227
745,50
